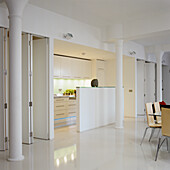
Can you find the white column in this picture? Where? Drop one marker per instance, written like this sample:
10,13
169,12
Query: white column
119,84
159,75
15,8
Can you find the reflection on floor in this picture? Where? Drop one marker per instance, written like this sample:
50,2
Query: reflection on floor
104,148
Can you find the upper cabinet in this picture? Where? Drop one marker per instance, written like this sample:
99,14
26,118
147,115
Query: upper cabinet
72,68
65,67
57,66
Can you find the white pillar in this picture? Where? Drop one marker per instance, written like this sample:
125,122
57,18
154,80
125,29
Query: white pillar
159,75
15,8
119,84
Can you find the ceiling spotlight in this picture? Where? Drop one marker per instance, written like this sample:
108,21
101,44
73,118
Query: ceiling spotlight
132,52
83,53
68,36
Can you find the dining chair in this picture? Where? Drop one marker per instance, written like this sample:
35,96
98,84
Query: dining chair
157,110
150,121
165,129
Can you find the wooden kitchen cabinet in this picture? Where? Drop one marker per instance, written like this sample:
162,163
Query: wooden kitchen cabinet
64,111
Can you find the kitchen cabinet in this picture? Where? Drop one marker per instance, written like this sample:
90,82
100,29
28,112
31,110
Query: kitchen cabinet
72,68
72,107
87,69
66,66
64,111
57,66
99,71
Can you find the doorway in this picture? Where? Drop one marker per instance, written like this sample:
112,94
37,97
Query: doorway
4,82
35,87
165,84
146,85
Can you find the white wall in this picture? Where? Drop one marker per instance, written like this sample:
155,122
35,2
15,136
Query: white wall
166,84
43,22
132,46
129,82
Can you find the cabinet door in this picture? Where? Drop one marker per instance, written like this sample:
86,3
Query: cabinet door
75,69
87,69
100,64
57,66
100,76
65,67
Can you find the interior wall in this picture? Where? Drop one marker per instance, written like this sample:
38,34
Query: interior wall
166,84
128,82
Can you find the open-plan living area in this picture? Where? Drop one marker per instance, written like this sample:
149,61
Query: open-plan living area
84,84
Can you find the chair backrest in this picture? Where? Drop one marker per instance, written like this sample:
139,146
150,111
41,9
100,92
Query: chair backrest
157,107
149,110
157,110
165,122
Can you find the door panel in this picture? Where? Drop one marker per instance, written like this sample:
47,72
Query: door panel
149,82
26,89
140,87
165,84
40,88
3,89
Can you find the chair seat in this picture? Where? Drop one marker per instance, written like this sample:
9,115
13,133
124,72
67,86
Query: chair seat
155,125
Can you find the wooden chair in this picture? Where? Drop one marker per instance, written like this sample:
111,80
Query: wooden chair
150,121
165,129
157,110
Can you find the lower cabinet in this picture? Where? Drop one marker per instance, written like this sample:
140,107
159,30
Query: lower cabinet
64,112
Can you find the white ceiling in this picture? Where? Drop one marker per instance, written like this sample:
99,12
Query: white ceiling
155,39
76,50
104,12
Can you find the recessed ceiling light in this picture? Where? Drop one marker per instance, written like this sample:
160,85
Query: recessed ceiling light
83,53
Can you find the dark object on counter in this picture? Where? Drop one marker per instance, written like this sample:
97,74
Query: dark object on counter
94,83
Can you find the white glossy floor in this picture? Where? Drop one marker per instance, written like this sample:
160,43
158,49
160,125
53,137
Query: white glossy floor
105,148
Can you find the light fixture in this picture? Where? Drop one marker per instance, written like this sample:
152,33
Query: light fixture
58,162
72,157
68,36
132,52
65,159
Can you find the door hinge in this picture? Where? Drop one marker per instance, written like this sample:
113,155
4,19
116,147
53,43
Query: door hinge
30,74
144,95
4,38
30,104
5,72
6,139
5,105
29,43
31,134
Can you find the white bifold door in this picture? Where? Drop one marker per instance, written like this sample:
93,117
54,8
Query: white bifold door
27,89
3,89
149,82
40,87
140,87
34,88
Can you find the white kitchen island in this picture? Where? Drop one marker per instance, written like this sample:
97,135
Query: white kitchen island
95,107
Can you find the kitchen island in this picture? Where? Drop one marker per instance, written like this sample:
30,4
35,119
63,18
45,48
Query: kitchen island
95,107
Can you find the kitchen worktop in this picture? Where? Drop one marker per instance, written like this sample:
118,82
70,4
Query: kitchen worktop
72,97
